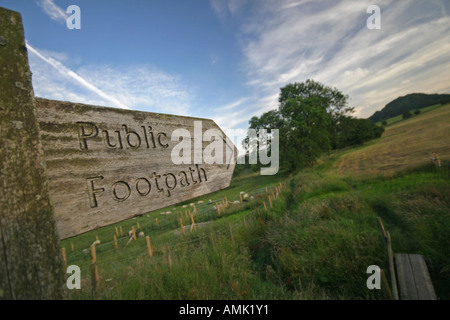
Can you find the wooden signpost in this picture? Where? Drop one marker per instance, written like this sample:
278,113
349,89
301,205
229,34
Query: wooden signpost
31,265
67,168
106,165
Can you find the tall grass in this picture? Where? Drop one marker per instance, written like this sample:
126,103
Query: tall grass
315,242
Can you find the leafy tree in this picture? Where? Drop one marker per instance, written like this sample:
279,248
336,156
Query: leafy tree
353,131
406,115
307,118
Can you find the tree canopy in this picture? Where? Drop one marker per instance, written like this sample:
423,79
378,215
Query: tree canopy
312,118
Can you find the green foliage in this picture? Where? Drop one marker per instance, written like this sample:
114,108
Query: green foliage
312,118
353,131
406,115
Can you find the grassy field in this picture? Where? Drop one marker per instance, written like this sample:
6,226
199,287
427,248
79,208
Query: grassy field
314,241
400,117
404,145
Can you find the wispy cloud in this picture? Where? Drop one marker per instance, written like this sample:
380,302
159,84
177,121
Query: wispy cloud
131,87
290,41
74,77
233,104
53,11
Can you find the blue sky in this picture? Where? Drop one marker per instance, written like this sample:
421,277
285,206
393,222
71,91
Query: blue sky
226,60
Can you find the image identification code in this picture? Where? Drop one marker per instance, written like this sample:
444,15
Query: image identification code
241,309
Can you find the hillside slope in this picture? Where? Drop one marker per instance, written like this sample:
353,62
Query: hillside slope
404,145
406,103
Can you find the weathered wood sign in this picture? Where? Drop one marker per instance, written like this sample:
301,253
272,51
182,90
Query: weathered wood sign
105,165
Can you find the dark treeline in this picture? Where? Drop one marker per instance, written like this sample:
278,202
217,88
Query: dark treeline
409,103
312,118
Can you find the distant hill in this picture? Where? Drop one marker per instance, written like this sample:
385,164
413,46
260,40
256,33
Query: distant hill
409,102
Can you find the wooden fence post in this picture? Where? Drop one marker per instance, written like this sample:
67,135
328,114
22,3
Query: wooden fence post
134,233
193,223
94,269
115,242
182,228
149,247
218,209
391,266
31,263
231,232
64,256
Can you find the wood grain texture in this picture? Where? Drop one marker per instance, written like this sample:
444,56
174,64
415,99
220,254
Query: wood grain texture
413,277
106,165
31,264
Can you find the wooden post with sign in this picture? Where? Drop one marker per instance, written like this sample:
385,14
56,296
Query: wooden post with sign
68,168
31,263
106,165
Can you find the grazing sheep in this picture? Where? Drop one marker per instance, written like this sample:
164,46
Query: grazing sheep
141,234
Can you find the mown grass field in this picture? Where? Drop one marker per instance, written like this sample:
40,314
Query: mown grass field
404,145
315,241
